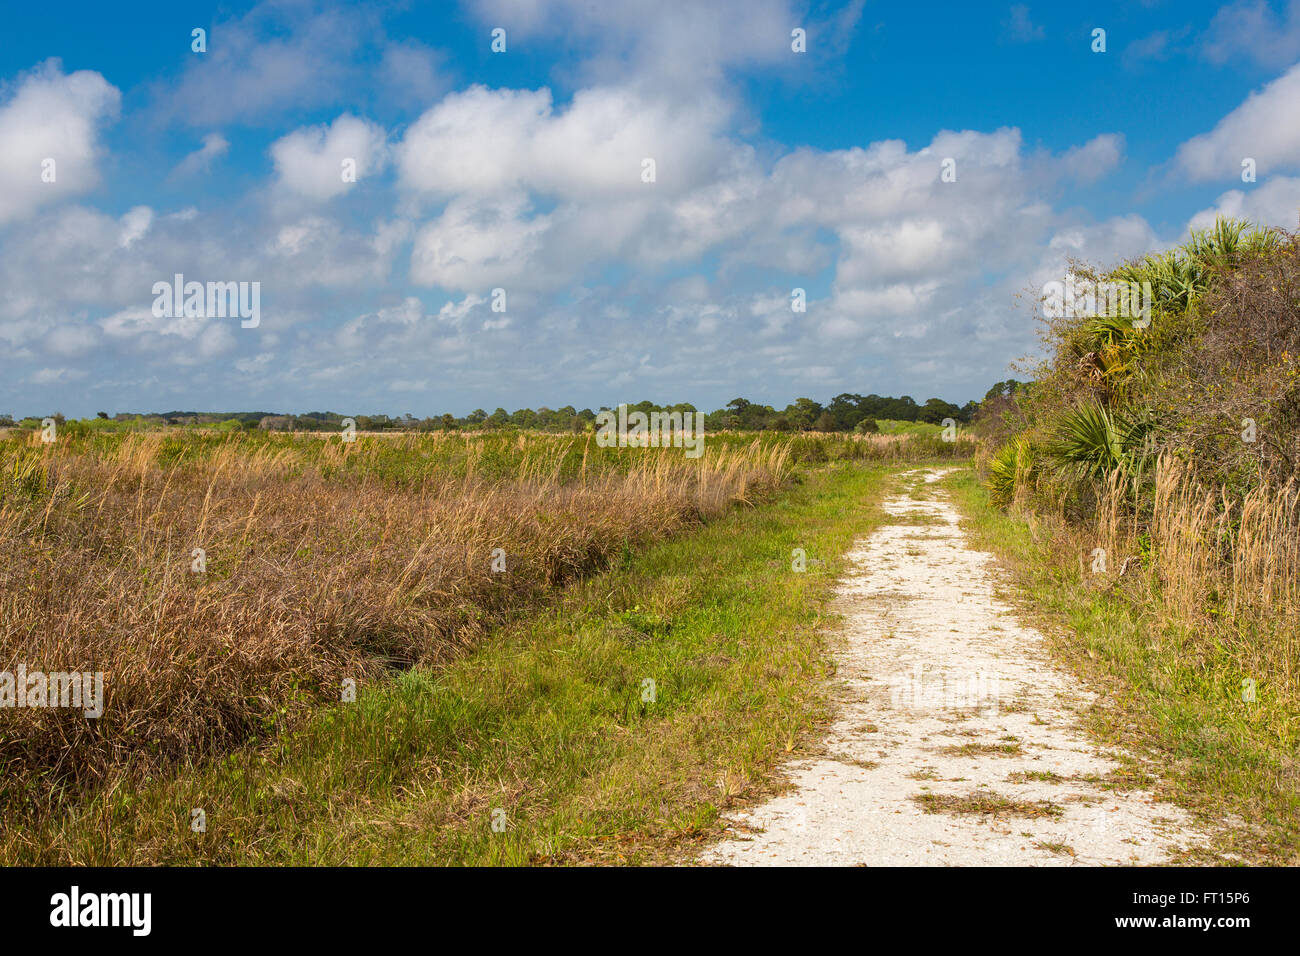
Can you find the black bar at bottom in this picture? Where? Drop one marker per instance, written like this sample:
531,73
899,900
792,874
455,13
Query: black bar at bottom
341,906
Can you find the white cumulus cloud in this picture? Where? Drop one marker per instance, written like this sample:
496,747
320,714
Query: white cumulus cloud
321,162
51,125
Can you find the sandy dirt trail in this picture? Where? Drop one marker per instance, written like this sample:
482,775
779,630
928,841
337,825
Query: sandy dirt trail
957,740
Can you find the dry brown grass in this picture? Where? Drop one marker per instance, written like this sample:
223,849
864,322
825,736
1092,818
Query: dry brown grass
985,804
321,566
1223,567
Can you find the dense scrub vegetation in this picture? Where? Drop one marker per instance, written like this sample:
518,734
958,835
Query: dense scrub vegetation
1166,457
1211,383
1210,389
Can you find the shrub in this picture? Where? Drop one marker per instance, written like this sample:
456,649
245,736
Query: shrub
1010,470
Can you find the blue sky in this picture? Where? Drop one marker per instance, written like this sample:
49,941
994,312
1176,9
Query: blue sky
522,171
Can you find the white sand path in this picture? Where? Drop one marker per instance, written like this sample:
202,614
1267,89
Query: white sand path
945,697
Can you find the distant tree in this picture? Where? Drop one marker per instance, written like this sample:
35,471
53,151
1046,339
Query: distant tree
1002,389
803,413
524,418
742,413
846,410
996,417
936,410
547,419
103,415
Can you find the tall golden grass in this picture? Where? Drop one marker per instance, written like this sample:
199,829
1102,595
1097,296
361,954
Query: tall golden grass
1226,568
319,567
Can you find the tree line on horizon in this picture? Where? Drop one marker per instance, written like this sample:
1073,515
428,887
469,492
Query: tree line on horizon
845,412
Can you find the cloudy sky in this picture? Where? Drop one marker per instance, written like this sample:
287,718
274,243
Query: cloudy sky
524,171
